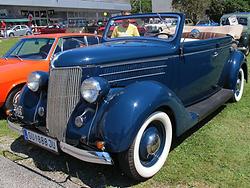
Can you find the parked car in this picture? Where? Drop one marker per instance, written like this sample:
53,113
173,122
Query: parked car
207,23
129,97
30,54
52,29
242,19
19,30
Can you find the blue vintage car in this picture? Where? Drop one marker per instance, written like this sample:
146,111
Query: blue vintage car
130,96
207,23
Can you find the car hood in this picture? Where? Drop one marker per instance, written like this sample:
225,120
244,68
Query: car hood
113,52
10,65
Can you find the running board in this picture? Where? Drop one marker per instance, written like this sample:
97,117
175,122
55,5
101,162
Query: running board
205,107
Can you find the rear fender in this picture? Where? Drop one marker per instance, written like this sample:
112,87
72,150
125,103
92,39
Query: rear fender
236,61
131,106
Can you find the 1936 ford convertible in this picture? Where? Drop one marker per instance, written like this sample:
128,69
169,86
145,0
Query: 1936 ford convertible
131,95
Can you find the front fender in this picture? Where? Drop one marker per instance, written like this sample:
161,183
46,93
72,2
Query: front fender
127,111
236,61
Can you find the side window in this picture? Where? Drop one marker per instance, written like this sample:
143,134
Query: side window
59,46
16,28
71,43
242,21
23,27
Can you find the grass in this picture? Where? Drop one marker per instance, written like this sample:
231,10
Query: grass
216,155
6,44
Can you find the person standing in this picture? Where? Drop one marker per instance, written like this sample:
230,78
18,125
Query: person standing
4,28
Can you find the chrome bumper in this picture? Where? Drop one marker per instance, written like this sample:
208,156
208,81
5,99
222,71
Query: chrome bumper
84,155
15,127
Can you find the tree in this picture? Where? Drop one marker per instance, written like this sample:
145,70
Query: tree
219,7
192,8
141,6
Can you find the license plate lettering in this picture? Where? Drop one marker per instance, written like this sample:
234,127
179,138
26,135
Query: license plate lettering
41,140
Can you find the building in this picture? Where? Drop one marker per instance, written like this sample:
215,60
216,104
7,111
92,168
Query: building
162,6
75,12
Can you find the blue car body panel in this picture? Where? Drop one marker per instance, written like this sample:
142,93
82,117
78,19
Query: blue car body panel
144,76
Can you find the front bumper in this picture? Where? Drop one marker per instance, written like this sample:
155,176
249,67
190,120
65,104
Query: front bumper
84,155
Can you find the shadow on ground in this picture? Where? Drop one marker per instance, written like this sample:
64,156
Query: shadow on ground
92,175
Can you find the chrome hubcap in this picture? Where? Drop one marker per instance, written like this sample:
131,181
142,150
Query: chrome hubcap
16,97
150,144
238,85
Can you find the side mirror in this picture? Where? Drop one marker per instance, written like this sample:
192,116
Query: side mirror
195,34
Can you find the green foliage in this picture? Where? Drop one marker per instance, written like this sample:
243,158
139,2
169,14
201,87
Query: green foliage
192,8
211,8
219,7
141,6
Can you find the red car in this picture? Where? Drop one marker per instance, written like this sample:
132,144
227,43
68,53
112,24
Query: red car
34,53
52,29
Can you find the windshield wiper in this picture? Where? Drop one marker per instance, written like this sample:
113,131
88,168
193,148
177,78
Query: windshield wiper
17,56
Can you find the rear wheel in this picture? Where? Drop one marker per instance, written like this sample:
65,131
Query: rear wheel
12,99
150,148
239,88
11,35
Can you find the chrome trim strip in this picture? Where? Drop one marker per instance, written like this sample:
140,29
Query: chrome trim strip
15,127
134,70
88,156
145,60
131,78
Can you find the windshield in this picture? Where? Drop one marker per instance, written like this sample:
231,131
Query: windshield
32,48
241,21
154,26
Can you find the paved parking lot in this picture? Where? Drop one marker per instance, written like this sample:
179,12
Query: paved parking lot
14,175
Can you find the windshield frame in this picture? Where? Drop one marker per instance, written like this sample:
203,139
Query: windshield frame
8,53
105,37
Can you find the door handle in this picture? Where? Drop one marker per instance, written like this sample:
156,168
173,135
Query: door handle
215,54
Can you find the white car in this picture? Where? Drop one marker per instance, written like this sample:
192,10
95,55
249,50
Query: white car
19,30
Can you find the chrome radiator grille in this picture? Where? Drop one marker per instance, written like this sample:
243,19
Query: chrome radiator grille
63,95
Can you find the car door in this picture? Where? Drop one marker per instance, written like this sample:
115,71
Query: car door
17,30
196,71
23,30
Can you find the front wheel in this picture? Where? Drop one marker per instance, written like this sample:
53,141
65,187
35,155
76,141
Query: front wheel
150,148
12,99
239,88
247,51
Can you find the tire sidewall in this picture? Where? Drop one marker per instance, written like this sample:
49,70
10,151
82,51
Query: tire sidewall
9,101
147,172
238,97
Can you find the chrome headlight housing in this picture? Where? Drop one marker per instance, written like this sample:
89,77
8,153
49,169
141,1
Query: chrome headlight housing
94,88
36,80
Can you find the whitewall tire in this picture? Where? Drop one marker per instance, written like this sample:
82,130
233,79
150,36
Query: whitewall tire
150,148
239,88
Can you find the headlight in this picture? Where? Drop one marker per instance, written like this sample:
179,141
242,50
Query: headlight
37,80
33,81
94,88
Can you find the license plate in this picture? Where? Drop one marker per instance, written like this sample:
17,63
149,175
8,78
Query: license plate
41,140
